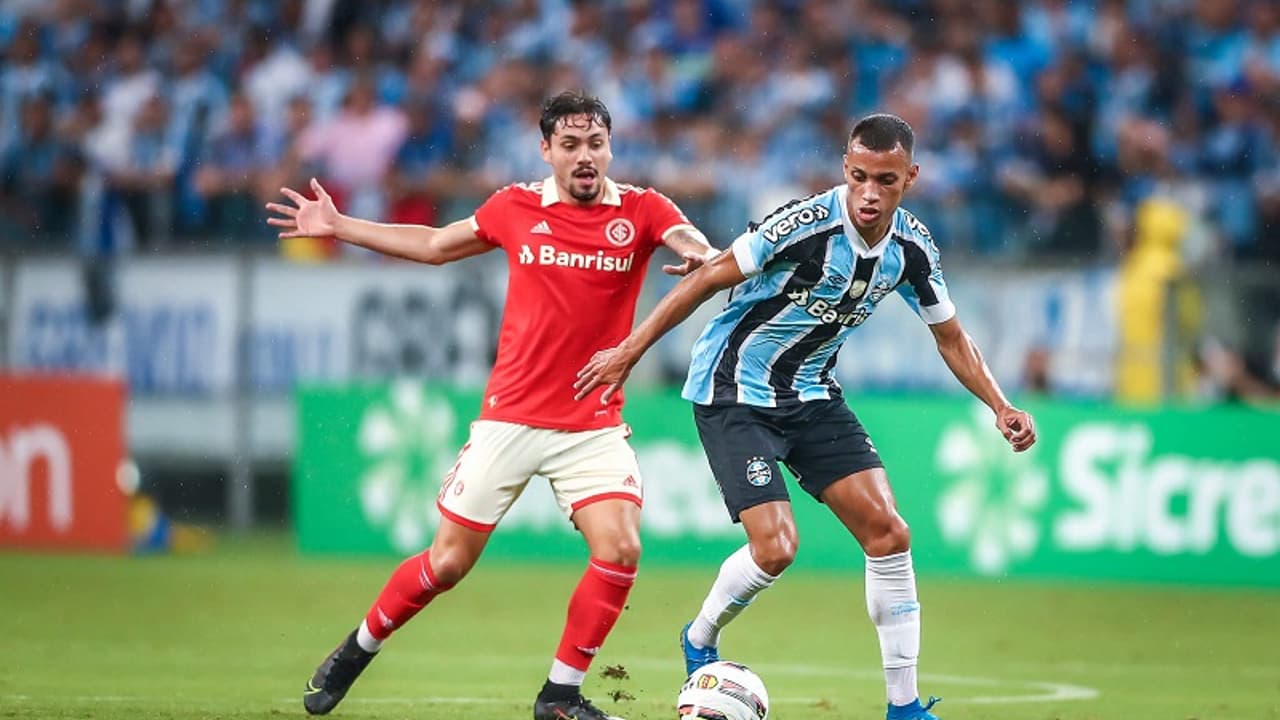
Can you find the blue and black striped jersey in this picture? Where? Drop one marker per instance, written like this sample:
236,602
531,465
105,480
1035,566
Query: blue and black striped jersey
811,279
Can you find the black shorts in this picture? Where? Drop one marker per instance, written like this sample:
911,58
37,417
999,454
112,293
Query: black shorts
820,441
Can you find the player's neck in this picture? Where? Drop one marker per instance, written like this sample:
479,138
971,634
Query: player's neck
875,234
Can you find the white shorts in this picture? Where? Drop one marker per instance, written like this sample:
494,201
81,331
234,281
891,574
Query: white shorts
498,460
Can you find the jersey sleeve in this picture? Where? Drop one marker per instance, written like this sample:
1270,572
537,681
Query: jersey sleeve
922,285
780,229
663,216
487,220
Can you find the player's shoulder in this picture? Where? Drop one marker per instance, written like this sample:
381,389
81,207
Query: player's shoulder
645,200
519,191
801,217
907,228
909,231
629,193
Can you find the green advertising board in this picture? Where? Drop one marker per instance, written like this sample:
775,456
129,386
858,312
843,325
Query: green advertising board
1182,495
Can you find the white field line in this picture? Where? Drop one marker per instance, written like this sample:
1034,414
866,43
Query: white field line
1036,690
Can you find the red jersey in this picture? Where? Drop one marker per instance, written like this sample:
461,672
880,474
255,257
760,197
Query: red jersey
574,274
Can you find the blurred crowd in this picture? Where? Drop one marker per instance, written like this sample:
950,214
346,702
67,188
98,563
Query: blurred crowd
1041,125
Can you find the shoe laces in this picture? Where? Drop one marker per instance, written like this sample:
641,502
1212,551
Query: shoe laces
585,705
932,701
346,666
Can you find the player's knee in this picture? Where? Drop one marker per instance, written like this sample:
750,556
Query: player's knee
776,552
450,566
623,550
889,537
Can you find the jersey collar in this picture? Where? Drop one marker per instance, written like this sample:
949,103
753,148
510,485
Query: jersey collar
551,195
851,232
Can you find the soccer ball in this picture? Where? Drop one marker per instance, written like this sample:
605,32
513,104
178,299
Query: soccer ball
723,691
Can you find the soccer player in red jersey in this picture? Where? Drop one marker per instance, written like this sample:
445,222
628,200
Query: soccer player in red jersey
577,247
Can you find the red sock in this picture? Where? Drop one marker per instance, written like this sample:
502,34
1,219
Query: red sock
594,608
410,588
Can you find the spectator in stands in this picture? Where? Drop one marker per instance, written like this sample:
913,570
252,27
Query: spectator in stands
40,173
144,183
1000,67
132,85
418,173
1055,178
1262,56
355,149
1235,150
230,172
24,75
199,106
329,81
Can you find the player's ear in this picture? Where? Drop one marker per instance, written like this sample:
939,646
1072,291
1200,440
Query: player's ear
912,173
546,150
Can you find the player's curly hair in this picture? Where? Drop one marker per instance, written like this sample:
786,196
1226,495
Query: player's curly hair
883,132
572,102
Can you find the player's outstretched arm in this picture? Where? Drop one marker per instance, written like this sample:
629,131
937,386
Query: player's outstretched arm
965,360
420,243
612,366
691,245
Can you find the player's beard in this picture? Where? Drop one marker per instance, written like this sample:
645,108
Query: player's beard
582,194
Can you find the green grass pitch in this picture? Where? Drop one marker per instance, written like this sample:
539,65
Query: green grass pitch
236,633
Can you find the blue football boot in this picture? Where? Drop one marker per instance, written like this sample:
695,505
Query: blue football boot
913,711
695,657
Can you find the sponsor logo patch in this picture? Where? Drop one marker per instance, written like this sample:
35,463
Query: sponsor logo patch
795,219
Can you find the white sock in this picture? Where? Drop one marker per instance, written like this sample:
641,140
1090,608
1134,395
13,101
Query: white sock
366,640
562,674
900,685
892,604
739,581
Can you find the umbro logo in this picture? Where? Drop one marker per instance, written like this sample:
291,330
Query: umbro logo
542,228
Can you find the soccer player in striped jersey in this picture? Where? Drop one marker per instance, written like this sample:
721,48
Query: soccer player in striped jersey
577,247
763,391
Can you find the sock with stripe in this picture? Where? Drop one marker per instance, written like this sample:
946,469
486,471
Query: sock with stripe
593,610
409,589
738,583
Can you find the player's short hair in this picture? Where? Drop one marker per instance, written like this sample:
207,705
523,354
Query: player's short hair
883,132
572,102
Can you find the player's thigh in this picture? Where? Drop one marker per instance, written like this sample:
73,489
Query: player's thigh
828,443
742,448
492,470
590,466
864,503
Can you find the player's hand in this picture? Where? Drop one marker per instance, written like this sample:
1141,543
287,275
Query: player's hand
607,367
692,261
311,218
1017,427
